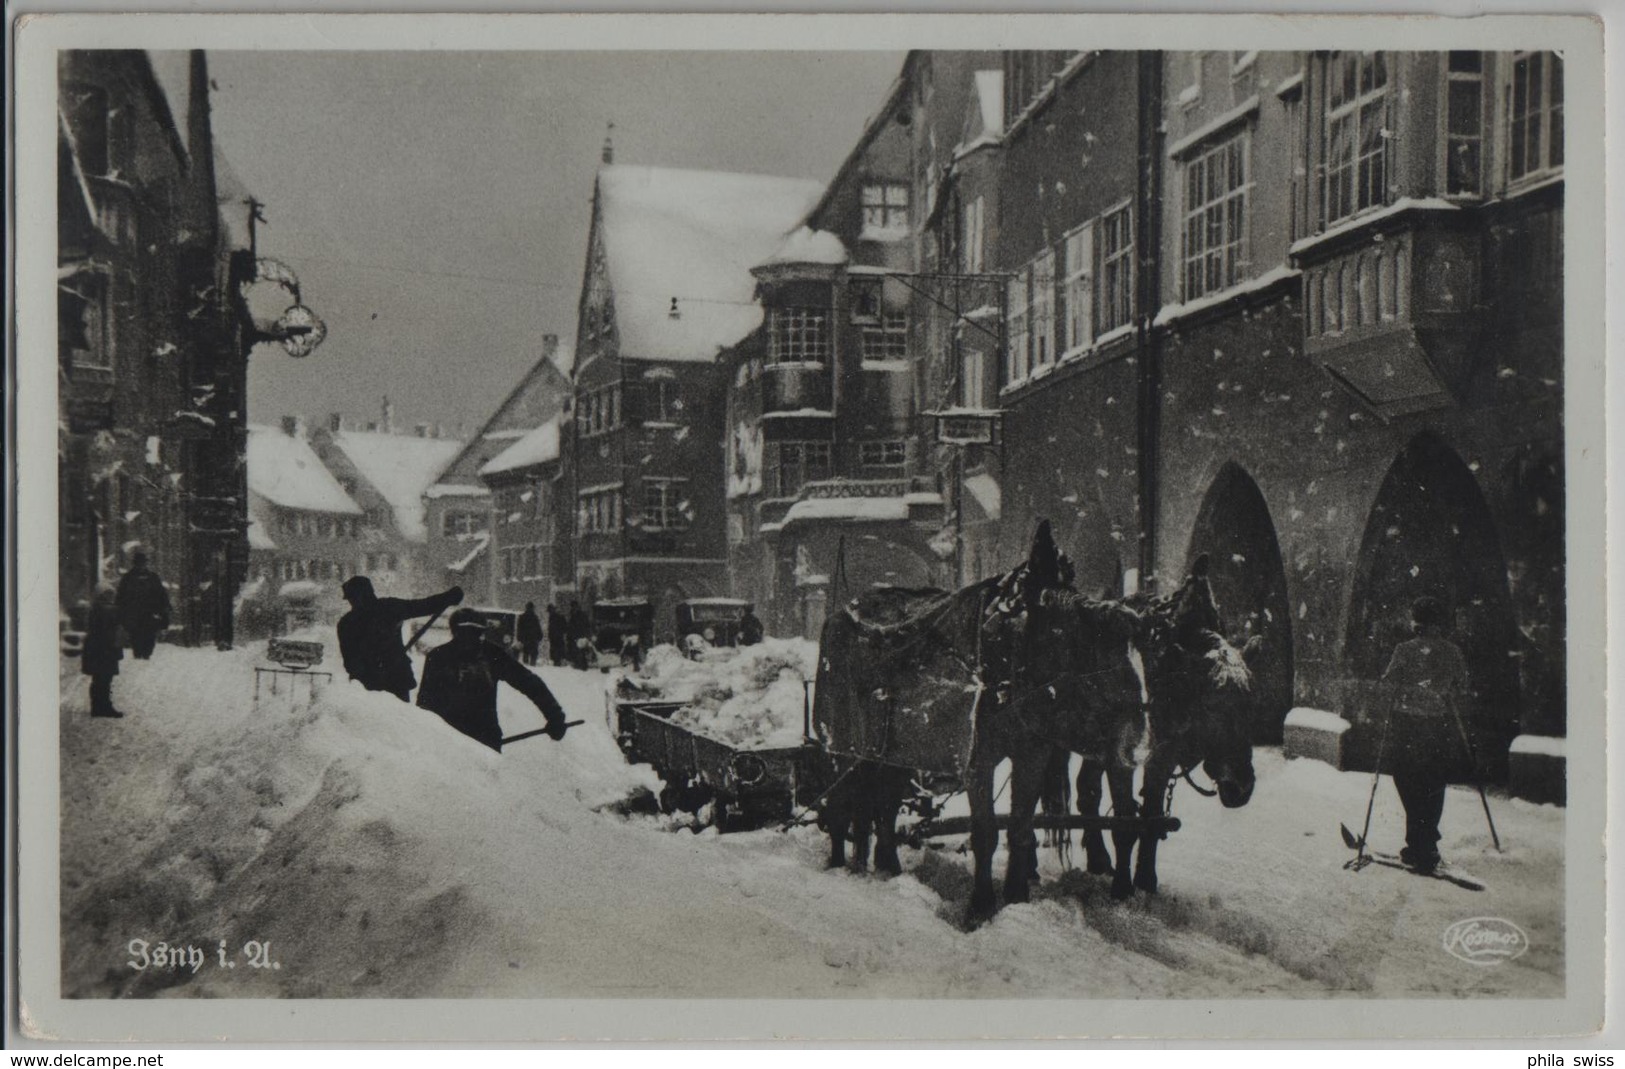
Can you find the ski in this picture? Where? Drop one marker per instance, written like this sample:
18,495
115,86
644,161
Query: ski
1392,861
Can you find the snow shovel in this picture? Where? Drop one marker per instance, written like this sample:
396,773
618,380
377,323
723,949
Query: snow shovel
539,731
420,632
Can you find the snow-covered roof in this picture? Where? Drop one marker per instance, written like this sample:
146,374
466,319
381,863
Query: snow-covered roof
401,467
285,471
536,447
692,235
984,122
808,246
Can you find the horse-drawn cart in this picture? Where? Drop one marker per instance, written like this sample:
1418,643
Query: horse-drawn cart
746,787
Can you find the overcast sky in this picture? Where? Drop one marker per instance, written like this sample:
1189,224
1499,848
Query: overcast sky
435,205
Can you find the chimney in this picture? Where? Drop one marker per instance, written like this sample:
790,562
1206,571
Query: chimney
372,425
290,426
389,417
204,215
422,430
335,422
550,347
608,155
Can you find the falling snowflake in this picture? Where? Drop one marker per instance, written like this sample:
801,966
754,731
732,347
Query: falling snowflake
1238,558
1416,570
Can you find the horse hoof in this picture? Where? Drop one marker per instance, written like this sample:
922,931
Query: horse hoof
1148,884
891,866
1122,889
1100,867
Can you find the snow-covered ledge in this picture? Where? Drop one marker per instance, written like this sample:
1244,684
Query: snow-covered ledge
1537,768
1314,733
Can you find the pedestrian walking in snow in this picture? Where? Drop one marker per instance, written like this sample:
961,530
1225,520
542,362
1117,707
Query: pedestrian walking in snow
143,606
579,631
370,635
530,634
558,638
101,653
1427,678
460,683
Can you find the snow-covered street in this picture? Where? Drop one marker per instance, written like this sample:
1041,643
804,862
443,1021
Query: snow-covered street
383,855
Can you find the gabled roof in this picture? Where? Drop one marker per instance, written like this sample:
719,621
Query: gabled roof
538,447
400,467
984,115
693,236
537,396
285,471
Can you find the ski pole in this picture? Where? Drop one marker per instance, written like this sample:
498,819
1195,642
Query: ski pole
1376,778
1472,755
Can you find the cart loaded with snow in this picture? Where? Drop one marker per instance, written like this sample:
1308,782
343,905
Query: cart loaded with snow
725,732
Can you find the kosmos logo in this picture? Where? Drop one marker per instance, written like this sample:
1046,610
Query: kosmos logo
1485,940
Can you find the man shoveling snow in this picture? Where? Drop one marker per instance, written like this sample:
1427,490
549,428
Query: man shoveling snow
460,684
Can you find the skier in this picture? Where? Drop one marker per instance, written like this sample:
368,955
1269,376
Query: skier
460,683
370,635
143,606
101,654
1428,679
530,633
557,639
579,633
750,628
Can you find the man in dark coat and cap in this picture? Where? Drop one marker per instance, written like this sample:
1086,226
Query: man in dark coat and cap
579,630
529,634
143,606
460,683
1428,677
558,638
101,653
370,635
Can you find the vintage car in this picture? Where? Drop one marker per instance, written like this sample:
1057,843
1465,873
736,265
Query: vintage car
623,631
716,620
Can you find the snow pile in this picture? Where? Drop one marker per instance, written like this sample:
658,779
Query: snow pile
383,855
808,246
285,471
401,467
752,697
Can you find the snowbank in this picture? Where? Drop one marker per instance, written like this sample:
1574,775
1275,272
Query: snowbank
752,697
1316,720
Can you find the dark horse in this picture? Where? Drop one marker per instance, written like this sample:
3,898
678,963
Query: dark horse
1070,684
1200,698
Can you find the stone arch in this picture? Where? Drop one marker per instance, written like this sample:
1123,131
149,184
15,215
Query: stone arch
1431,533
1234,528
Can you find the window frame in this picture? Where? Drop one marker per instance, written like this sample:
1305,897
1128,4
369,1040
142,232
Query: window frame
662,504
804,469
1218,266
1351,110
1543,112
1114,303
1042,323
1077,294
799,334
1017,347
1448,138
888,335
972,248
885,210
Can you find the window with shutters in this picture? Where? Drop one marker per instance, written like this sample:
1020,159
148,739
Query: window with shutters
1078,291
1116,250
